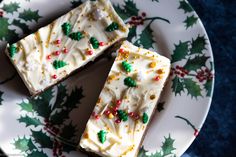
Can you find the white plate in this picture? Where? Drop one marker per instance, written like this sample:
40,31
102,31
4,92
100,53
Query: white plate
37,127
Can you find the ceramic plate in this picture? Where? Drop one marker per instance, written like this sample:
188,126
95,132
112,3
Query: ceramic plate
51,123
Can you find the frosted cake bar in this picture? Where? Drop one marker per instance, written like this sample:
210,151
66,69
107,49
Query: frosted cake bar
49,55
126,103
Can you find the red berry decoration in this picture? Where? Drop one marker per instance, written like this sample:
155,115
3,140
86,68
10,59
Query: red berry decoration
1,13
65,50
58,41
157,78
101,43
118,102
49,57
107,112
54,76
131,114
196,132
89,52
57,53
118,121
121,50
97,117
143,14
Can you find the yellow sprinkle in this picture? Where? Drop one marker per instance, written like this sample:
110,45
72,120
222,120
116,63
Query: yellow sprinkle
110,116
99,101
111,77
152,97
160,71
152,64
86,135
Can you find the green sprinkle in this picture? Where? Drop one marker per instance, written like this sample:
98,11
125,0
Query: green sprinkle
127,67
59,64
122,115
94,42
12,50
145,118
113,26
66,28
76,36
128,81
102,136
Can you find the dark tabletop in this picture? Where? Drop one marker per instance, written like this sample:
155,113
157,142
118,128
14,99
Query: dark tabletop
218,134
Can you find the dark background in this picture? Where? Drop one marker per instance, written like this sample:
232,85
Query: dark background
218,134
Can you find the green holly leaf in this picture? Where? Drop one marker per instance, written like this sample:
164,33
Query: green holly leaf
68,131
145,38
160,106
196,63
177,85
142,152
37,154
1,93
11,7
208,87
30,121
29,15
23,26
132,33
60,97
198,45
6,33
24,144
180,52
75,3
185,6
26,107
168,146
42,138
40,104
128,10
190,21
157,154
192,87
74,98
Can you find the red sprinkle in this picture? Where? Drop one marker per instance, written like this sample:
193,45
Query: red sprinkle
131,114
118,121
54,76
57,53
157,78
101,43
115,108
58,41
121,50
90,52
118,102
49,57
97,117
107,112
65,50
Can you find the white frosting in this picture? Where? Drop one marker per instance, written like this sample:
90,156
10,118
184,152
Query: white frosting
31,59
123,139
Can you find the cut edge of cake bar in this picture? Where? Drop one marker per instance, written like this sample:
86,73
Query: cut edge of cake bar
121,33
126,46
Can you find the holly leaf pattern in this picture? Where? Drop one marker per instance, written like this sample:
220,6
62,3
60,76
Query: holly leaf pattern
196,63
167,146
26,107
190,21
23,26
208,87
68,131
29,15
198,45
74,98
1,93
6,33
180,52
41,138
11,7
132,33
37,154
185,6
145,38
24,144
60,98
177,85
128,10
30,121
192,87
